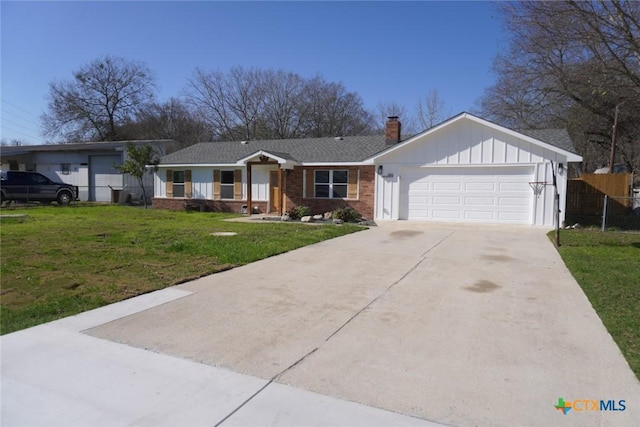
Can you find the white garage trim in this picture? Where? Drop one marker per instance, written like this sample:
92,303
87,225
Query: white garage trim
487,194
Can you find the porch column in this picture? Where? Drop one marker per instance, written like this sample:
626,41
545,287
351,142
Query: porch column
281,191
249,209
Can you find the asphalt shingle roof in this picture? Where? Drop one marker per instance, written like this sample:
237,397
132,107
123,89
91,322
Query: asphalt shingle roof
306,150
556,137
348,149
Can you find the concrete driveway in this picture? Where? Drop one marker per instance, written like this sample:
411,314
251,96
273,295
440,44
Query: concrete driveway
454,324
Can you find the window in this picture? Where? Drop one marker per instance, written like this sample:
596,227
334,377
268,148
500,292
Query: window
178,183
332,184
226,184
65,169
37,179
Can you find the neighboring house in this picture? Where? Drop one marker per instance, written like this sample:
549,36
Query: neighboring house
464,169
90,166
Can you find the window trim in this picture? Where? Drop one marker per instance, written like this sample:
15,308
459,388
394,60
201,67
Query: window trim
227,185
179,184
237,184
331,184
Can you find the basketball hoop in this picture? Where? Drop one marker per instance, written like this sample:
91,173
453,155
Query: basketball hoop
537,187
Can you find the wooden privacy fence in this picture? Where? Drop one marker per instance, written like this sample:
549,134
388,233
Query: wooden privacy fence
585,195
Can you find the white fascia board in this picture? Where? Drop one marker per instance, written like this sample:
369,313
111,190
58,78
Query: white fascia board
196,165
468,165
395,147
364,163
571,157
285,163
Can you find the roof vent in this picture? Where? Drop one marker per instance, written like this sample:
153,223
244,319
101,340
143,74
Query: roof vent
244,142
338,138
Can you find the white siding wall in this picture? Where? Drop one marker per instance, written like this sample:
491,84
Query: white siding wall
160,183
469,143
260,182
202,181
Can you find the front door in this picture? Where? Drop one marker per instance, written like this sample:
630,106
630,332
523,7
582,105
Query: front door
274,191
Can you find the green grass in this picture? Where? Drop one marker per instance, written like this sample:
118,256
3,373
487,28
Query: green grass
60,261
607,267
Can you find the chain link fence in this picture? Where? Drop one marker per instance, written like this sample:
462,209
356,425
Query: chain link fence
621,213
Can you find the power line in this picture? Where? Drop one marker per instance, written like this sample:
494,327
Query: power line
19,108
30,136
19,117
25,124
4,119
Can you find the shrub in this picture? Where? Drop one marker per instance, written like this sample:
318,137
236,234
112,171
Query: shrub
298,212
346,214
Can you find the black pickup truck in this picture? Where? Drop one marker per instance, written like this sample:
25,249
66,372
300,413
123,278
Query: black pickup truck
35,187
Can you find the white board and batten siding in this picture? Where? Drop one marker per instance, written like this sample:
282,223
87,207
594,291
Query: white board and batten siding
468,170
202,181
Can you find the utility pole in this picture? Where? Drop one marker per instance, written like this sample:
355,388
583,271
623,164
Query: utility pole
614,132
556,206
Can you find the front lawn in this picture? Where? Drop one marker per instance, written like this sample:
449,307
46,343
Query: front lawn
607,267
59,261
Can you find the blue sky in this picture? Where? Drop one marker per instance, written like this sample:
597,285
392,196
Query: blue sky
385,51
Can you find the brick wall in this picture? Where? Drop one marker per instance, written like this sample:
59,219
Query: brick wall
205,205
293,195
363,204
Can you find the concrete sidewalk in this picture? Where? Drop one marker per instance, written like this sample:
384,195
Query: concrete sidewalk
55,375
455,324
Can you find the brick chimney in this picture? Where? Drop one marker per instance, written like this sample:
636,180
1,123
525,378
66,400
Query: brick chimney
392,130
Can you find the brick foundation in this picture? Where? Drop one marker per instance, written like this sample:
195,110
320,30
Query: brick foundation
205,205
293,196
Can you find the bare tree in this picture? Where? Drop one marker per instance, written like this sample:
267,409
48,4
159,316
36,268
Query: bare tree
254,104
230,103
331,110
102,96
573,64
245,97
169,120
383,110
431,110
283,114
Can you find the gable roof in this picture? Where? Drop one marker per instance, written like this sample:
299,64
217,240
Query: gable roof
557,140
557,137
348,149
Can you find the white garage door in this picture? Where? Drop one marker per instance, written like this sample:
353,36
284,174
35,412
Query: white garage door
480,194
102,175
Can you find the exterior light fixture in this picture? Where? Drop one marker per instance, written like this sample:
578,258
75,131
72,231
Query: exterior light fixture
380,170
561,168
